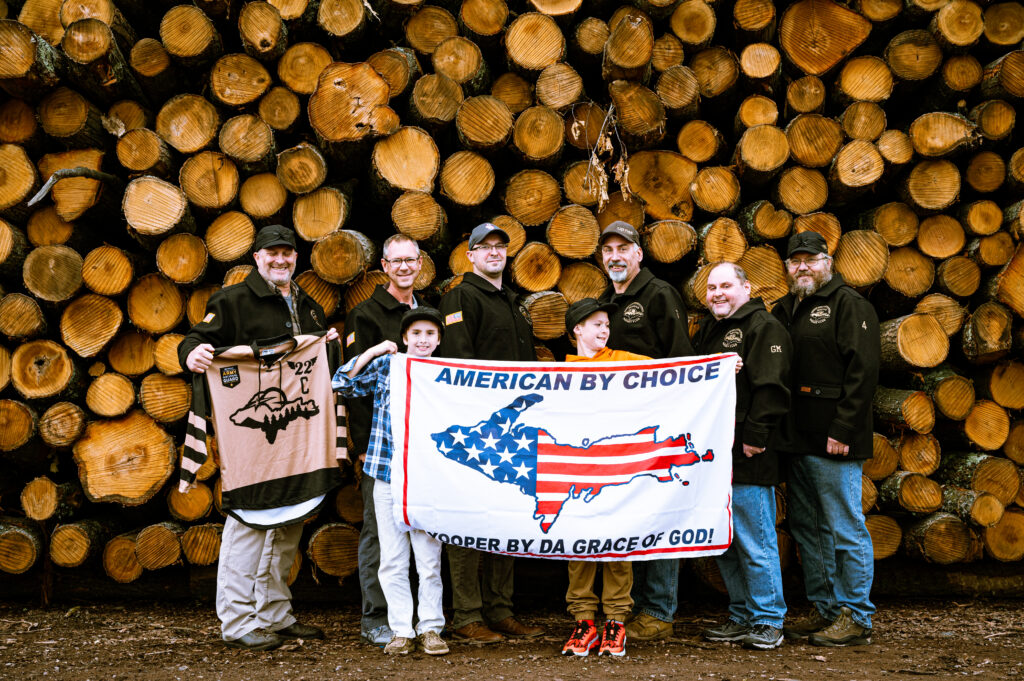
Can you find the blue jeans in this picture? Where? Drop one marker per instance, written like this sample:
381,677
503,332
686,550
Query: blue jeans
375,608
751,567
827,523
656,588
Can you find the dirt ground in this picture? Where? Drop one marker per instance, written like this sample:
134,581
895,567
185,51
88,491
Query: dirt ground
139,641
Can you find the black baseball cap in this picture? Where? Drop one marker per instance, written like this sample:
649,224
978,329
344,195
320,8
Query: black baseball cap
623,229
481,231
582,309
273,235
806,242
423,312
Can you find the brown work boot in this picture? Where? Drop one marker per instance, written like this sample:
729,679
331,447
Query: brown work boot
843,632
645,627
811,624
479,633
513,627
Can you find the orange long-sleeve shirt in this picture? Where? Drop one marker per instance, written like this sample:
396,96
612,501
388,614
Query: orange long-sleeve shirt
606,354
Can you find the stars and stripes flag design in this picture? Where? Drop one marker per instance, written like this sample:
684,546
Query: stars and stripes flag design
553,473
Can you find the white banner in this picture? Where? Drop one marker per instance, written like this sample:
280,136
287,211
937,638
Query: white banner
582,460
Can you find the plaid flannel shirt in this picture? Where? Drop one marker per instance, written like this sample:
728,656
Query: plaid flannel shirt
375,379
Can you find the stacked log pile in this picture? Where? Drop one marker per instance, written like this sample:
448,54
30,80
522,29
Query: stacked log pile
143,144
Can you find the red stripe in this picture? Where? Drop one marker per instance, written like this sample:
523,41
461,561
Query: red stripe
570,367
582,470
405,446
609,449
641,552
548,487
549,507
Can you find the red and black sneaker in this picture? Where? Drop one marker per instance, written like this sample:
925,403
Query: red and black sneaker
613,639
584,639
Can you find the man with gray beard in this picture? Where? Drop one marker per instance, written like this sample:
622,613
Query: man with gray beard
651,321
827,435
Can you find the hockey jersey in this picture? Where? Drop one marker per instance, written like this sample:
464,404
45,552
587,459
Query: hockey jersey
281,430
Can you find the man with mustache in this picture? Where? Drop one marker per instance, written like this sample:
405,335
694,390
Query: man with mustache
483,320
650,320
253,599
827,436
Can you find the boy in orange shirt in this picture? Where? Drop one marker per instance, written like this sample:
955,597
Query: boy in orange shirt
588,321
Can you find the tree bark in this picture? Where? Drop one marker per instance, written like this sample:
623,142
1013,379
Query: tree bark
980,509
21,545
940,538
905,407
981,472
906,491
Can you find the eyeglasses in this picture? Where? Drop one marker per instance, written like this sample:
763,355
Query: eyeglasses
794,264
498,248
398,262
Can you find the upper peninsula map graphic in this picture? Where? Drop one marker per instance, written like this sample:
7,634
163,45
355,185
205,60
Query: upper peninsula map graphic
552,473
271,411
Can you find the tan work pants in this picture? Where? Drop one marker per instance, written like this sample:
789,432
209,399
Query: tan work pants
618,581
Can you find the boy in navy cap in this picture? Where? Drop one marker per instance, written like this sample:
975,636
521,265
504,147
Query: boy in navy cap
370,373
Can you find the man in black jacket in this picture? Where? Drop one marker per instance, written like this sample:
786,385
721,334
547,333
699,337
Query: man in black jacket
650,321
253,599
750,568
828,435
377,319
483,321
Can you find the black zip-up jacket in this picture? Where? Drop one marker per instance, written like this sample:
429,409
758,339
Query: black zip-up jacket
484,322
762,386
376,319
836,349
651,319
249,311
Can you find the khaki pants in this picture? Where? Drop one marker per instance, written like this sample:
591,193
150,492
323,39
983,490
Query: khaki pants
481,586
618,580
252,587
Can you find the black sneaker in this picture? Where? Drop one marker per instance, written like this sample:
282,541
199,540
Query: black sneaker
730,631
762,637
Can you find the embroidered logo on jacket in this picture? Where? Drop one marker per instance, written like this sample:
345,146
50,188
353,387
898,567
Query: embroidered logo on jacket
633,313
453,318
732,339
820,314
